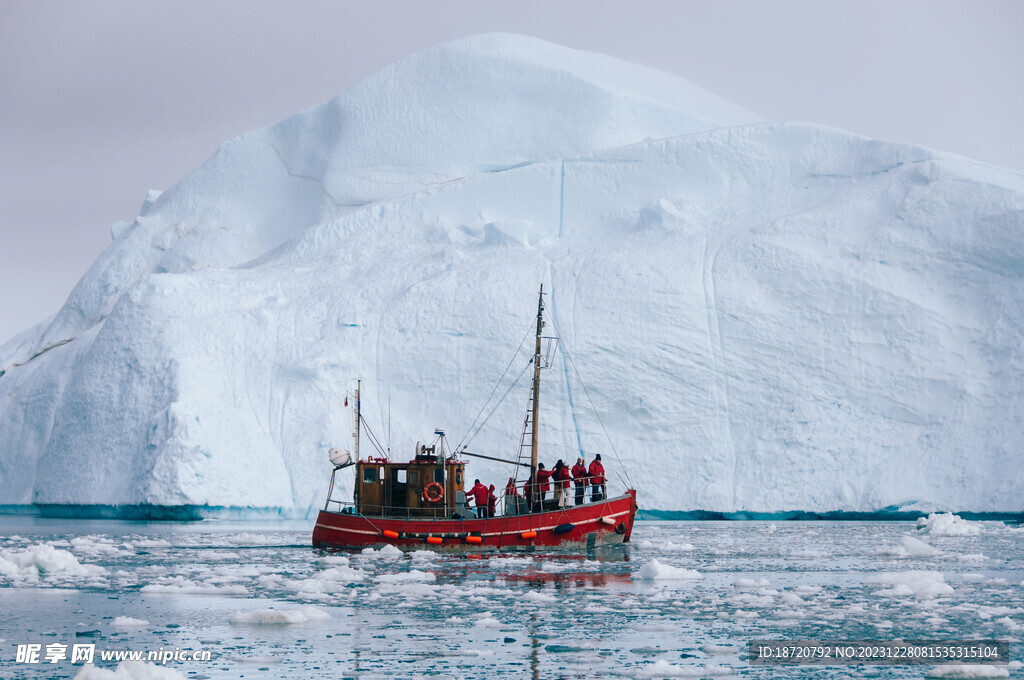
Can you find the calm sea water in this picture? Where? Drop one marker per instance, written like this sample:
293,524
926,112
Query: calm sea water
682,600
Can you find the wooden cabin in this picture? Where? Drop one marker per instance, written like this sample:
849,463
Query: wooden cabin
427,486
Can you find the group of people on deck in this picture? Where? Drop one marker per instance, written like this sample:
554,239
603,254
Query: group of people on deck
579,475
561,477
484,499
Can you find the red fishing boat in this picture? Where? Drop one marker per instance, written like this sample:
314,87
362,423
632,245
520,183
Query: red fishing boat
422,504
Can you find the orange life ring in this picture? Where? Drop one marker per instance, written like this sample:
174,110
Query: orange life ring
433,493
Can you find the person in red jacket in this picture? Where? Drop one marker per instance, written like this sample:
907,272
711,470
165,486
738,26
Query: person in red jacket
479,494
580,478
597,482
491,500
511,498
562,478
543,485
529,488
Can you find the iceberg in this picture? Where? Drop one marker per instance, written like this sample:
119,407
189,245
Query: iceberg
762,316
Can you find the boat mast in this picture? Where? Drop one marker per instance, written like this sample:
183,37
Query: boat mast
355,487
536,395
356,434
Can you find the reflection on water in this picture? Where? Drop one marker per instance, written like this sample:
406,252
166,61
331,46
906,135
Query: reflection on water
682,599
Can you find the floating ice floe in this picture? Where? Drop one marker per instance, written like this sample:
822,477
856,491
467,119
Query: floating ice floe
179,585
406,577
327,581
664,669
100,545
128,622
920,584
44,560
130,670
656,571
510,563
222,555
273,617
664,546
386,552
793,599
908,547
749,583
947,524
247,538
761,599
538,597
982,611
487,622
956,670
1009,623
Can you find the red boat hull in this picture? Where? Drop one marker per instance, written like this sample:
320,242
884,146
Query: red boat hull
591,525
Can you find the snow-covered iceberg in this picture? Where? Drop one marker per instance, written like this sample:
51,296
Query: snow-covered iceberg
767,316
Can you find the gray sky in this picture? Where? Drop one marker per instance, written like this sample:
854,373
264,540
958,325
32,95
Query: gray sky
102,100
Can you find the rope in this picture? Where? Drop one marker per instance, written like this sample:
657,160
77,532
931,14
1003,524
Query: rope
500,401
495,389
621,468
373,438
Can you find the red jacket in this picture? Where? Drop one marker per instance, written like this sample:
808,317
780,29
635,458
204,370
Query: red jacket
562,477
542,478
579,474
596,472
479,493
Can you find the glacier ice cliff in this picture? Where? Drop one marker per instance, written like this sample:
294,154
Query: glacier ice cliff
767,316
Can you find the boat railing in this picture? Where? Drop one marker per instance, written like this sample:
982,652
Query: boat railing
391,511
504,506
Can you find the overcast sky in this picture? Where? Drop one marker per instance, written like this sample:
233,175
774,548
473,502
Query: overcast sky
102,100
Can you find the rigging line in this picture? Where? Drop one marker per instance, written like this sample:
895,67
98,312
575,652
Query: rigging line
375,442
495,389
500,401
373,438
596,412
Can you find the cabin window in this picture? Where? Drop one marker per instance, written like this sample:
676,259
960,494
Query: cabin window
369,475
458,476
439,475
400,476
414,478
382,474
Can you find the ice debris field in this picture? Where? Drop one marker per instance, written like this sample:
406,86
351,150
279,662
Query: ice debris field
682,601
768,316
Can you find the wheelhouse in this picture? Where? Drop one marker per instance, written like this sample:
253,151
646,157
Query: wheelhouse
431,485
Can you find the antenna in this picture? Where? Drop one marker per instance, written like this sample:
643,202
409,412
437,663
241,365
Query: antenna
389,401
